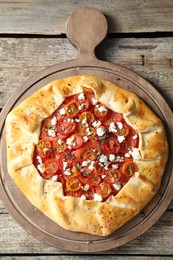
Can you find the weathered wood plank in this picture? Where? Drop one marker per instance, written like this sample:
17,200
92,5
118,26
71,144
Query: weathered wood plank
65,257
49,17
23,57
14,240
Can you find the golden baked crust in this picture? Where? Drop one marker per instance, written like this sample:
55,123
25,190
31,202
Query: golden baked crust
100,218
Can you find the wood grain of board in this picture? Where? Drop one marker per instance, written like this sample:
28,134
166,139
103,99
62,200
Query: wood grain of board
152,58
48,17
14,240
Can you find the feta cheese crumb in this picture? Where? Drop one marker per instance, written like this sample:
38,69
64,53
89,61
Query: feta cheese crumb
136,154
62,111
135,137
41,168
91,167
81,96
102,109
117,185
112,157
65,164
85,163
85,139
97,197
86,187
51,132
83,197
88,131
60,141
54,178
67,172
94,101
54,121
115,166
103,158
120,125
39,159
81,106
112,128
96,123
70,141
100,131
121,138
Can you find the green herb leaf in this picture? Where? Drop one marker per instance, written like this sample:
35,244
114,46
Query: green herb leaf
69,156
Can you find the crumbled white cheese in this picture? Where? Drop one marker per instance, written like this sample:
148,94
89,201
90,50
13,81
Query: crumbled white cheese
85,163
120,125
91,167
70,120
60,141
54,121
120,138
103,176
70,140
39,159
81,96
77,120
102,109
65,164
103,158
54,178
117,185
83,197
112,157
84,121
127,155
88,131
51,132
119,159
100,131
94,101
85,139
86,187
67,172
97,197
62,111
136,154
81,106
41,168
135,137
112,128
96,123
115,166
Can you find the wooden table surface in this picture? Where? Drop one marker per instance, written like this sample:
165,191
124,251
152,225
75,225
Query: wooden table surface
32,37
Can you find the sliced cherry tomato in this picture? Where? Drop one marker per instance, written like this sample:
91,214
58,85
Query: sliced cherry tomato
112,176
111,145
94,180
72,108
83,178
84,104
86,117
89,193
113,117
59,146
65,157
88,90
81,129
103,189
124,131
77,141
128,168
48,131
67,128
76,194
51,166
88,151
73,183
100,111
124,147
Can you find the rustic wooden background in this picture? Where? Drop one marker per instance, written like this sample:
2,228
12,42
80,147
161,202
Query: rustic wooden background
32,37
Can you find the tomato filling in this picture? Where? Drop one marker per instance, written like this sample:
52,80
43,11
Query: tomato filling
87,147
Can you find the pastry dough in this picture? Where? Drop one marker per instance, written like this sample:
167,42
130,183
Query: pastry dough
23,125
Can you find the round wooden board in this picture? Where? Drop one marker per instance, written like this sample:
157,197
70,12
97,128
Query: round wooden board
34,221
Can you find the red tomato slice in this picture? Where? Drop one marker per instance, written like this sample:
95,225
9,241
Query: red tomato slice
100,111
51,167
111,145
103,189
72,108
59,146
76,194
88,90
67,128
72,183
87,116
88,151
94,180
124,131
128,168
65,157
77,141
46,127
89,193
113,117
112,176
84,105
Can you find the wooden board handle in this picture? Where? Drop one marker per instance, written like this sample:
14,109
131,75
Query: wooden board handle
86,28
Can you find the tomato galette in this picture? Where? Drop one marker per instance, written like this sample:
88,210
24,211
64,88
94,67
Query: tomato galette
87,153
